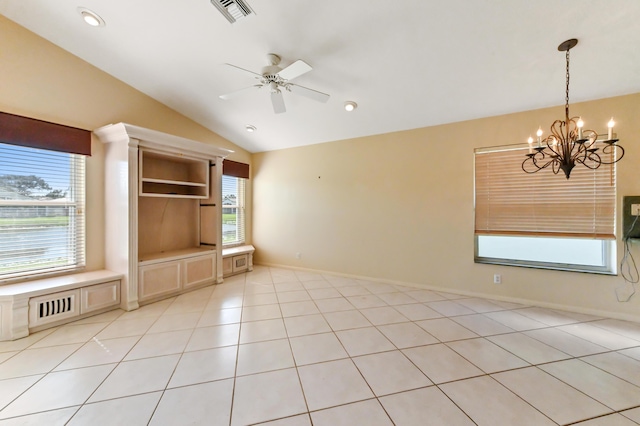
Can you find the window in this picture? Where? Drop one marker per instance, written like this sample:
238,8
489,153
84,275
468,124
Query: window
543,220
42,225
233,216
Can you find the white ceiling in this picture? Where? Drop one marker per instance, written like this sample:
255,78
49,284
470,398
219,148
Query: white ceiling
407,63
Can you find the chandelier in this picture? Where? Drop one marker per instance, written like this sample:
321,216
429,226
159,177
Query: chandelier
569,144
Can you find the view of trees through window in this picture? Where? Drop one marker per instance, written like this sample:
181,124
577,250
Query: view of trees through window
41,210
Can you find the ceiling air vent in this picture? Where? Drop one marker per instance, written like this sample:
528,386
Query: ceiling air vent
233,10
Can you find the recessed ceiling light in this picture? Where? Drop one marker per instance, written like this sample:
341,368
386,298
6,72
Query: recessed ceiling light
350,106
250,128
90,17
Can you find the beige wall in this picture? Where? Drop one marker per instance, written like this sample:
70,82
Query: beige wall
396,206
42,81
399,206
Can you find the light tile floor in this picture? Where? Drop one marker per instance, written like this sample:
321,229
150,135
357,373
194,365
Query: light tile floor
290,348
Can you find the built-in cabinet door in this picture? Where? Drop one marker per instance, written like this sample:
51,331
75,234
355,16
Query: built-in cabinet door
198,270
159,279
227,265
99,296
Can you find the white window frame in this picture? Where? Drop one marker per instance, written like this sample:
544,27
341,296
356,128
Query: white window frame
545,252
73,237
530,252
240,190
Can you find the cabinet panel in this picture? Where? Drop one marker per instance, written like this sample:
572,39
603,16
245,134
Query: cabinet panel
227,265
198,270
99,296
158,279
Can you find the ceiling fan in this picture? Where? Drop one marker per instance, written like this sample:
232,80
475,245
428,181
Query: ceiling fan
277,79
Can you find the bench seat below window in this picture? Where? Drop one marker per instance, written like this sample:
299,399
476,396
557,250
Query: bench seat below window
236,260
35,305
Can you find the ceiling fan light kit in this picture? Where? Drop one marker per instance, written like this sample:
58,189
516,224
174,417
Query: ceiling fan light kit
277,79
569,143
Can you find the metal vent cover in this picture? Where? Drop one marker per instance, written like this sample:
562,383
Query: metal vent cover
53,307
240,262
233,10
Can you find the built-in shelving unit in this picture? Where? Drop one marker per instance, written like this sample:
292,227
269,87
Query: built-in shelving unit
169,175
163,229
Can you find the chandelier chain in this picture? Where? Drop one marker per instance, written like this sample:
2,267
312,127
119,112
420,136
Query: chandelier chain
566,105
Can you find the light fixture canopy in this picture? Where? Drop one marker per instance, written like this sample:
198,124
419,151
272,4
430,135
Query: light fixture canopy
350,106
90,17
569,143
250,128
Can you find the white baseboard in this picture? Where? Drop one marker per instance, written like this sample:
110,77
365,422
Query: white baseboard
528,302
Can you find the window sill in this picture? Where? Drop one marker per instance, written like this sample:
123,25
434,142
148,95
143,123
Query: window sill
550,266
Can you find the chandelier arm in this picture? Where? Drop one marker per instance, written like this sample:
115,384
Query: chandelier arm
581,152
596,161
610,147
542,157
557,135
531,158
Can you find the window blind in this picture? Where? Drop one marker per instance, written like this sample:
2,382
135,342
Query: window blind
233,214
42,221
509,201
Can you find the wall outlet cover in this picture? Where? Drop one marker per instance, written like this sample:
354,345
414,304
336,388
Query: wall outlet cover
629,231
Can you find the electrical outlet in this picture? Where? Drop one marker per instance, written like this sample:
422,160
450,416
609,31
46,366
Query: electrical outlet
630,217
298,255
497,279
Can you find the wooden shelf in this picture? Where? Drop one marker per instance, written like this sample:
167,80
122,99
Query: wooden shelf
152,258
170,175
173,182
155,189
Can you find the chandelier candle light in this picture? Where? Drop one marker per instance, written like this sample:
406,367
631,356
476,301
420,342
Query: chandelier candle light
569,143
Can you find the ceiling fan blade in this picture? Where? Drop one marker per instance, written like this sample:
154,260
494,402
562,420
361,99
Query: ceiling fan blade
294,70
242,69
277,100
309,93
228,96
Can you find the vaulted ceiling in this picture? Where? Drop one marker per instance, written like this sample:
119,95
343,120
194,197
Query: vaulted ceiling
406,63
